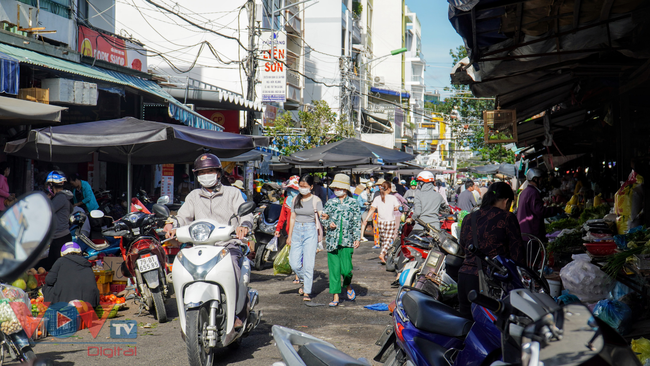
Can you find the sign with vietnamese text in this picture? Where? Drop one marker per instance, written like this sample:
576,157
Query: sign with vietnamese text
273,72
167,181
111,49
270,112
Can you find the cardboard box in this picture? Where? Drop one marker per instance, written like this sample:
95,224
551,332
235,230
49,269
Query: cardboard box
113,264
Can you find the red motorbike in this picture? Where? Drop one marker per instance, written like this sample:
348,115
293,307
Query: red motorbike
144,257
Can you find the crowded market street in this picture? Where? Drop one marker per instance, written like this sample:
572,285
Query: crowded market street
350,327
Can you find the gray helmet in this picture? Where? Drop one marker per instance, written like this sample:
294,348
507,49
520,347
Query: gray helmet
533,173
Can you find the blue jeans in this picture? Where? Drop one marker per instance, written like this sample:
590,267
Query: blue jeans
304,242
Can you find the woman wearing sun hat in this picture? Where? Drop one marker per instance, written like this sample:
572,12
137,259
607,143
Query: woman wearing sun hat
341,220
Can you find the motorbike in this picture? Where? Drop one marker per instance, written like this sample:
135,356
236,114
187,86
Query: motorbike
426,331
208,295
143,254
265,223
16,345
95,243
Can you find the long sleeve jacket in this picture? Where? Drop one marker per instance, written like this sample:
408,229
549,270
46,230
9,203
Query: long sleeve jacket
220,206
531,212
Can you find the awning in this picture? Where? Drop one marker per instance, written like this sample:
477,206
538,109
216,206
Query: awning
16,111
375,123
179,112
389,92
9,74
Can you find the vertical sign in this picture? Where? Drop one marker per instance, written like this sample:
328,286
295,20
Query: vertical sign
270,112
274,74
167,182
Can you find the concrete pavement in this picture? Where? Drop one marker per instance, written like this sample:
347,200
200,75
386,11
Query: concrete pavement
351,327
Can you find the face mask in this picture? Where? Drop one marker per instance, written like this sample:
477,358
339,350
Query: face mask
208,180
304,191
339,193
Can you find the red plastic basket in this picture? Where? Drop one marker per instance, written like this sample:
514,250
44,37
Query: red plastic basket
40,279
601,248
117,288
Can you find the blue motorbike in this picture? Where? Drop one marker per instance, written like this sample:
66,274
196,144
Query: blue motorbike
82,237
428,332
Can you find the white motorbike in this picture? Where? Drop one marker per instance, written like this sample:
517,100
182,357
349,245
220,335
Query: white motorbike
206,288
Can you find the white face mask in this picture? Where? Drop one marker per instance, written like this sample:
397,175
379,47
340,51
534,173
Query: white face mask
339,193
304,191
208,180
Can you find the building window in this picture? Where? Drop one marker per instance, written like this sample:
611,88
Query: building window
58,7
82,11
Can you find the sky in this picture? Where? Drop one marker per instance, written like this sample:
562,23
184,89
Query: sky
438,37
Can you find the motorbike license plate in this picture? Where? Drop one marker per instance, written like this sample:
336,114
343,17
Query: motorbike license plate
148,264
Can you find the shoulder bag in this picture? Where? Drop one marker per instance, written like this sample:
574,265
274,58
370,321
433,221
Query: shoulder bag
483,287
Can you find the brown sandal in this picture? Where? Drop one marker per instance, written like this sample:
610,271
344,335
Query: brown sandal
306,298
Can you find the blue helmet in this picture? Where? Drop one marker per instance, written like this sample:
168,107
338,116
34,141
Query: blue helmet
56,177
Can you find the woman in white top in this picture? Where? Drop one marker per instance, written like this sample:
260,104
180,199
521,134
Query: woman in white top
385,204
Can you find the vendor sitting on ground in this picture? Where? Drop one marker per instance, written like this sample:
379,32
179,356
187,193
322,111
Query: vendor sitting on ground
71,278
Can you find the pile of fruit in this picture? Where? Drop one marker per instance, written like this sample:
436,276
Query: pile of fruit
8,318
28,280
111,299
38,308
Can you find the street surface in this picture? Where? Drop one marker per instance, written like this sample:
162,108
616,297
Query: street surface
350,327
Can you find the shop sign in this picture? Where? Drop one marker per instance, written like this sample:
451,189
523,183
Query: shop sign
111,49
167,181
227,119
270,112
273,74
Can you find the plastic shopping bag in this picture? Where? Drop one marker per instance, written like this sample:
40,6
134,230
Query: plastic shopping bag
273,244
615,313
641,347
586,280
281,263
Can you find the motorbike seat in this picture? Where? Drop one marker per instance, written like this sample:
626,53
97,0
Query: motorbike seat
272,213
320,354
433,316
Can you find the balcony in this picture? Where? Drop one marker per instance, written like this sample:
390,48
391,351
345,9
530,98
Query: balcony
418,81
61,7
356,33
294,23
293,78
293,93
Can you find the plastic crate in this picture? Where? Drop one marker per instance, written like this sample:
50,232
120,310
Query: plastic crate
102,277
69,327
40,279
42,327
86,319
118,287
104,288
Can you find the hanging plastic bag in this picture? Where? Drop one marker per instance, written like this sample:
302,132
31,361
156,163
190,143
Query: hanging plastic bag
615,313
641,347
281,263
273,244
586,280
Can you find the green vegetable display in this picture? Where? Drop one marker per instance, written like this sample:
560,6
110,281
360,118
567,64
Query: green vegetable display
616,262
593,213
565,242
562,224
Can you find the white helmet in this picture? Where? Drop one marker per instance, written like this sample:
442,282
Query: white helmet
534,172
426,177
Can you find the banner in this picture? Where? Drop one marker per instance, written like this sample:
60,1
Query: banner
273,74
229,120
111,49
167,181
270,112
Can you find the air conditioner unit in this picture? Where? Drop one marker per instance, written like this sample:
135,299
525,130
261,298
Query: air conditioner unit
380,80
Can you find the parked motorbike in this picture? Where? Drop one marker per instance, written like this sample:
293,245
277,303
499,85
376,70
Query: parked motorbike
143,254
208,295
426,331
265,222
89,244
26,228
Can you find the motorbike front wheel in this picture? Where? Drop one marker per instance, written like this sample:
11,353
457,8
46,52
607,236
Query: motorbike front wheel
259,258
159,306
198,352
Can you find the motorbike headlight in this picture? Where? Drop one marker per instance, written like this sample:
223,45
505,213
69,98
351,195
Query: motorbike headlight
201,231
450,246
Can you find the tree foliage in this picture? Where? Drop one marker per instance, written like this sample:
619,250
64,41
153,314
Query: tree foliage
321,126
468,129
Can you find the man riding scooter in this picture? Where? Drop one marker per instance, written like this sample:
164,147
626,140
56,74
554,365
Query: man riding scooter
428,202
214,201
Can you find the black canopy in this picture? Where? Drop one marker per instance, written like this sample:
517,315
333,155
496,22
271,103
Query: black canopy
348,152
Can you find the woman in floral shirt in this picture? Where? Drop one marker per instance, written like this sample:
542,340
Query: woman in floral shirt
341,220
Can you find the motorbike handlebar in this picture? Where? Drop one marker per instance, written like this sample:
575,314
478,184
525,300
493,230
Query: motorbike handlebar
482,257
487,302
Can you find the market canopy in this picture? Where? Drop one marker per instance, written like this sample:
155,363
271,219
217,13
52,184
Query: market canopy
505,169
127,140
348,152
19,111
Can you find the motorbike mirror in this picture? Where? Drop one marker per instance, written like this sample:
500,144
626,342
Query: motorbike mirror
96,214
26,228
161,211
163,200
246,208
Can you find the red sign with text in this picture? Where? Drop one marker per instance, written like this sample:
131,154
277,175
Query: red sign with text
111,49
229,120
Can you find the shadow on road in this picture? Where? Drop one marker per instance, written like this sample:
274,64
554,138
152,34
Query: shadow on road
258,338
58,356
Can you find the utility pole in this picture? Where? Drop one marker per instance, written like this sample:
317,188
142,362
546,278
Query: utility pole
252,63
345,95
